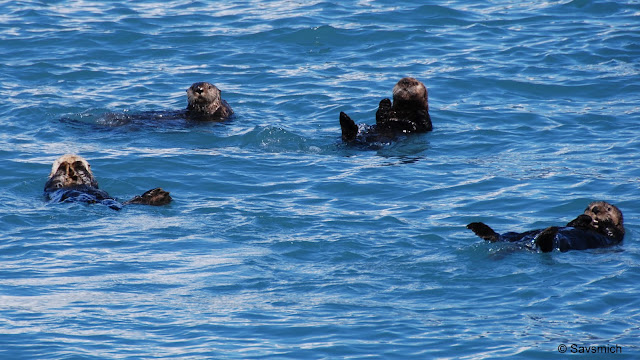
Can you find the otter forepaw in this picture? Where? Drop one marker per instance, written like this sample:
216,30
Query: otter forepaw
385,104
582,221
544,240
383,114
483,231
349,127
155,197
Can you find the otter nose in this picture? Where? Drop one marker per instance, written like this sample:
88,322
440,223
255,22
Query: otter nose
595,210
199,89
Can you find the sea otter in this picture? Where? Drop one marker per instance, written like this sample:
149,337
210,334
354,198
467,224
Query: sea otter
71,179
204,102
409,113
600,225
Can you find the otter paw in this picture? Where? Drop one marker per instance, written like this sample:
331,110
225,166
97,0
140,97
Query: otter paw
544,240
483,231
385,104
349,127
155,197
582,221
383,114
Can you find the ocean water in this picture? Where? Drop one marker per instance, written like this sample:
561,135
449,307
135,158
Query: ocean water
283,243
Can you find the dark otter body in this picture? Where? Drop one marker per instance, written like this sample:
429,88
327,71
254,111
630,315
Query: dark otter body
601,225
205,102
409,113
71,179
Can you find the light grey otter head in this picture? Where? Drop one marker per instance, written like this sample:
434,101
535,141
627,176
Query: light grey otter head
70,170
605,217
203,97
409,91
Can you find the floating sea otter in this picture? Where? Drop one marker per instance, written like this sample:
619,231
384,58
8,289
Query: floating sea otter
205,102
71,179
409,113
601,225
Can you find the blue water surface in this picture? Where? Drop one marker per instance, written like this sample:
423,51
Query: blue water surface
282,242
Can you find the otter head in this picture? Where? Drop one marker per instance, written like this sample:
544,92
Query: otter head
409,91
70,170
203,97
605,217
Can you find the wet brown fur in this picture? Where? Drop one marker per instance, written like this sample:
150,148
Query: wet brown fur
409,113
204,99
602,217
70,170
601,224
73,173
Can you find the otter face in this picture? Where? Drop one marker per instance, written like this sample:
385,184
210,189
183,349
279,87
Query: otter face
203,96
605,214
410,90
70,170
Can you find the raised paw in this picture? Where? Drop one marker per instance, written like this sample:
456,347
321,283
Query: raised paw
385,104
544,240
582,221
384,111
